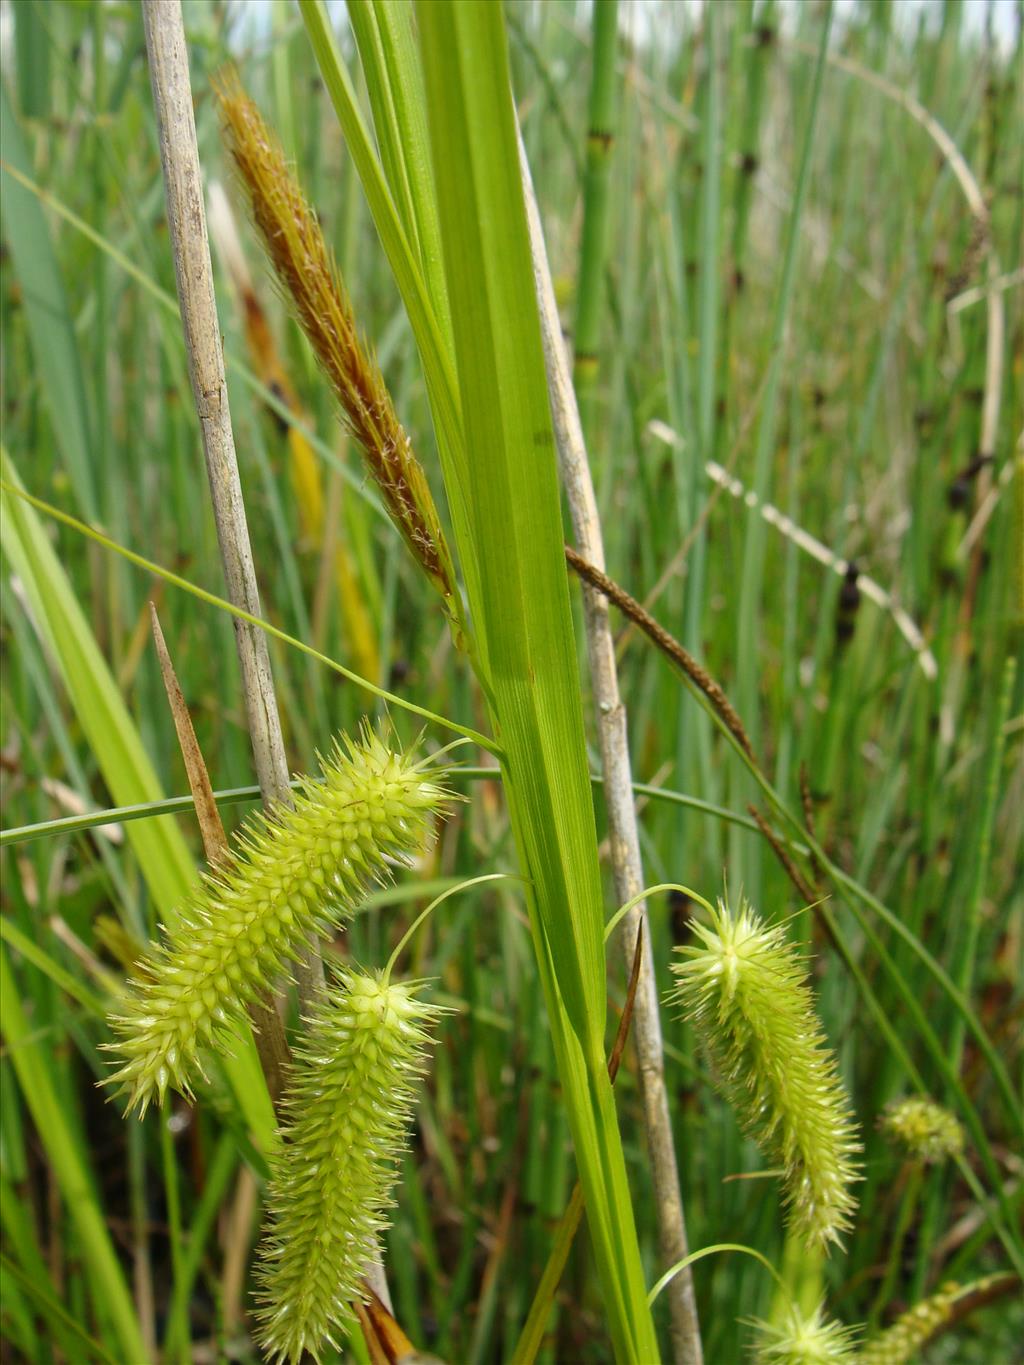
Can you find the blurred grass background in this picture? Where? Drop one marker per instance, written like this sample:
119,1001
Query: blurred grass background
868,438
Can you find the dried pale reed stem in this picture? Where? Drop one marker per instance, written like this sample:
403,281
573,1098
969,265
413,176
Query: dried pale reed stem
624,836
308,274
186,219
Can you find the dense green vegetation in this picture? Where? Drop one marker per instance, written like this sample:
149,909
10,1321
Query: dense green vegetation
788,291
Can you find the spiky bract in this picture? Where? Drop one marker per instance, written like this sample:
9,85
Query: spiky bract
296,874
902,1341
805,1340
923,1128
746,990
348,1109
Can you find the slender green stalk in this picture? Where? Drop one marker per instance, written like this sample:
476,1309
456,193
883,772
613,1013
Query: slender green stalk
590,288
115,815
218,1176
748,624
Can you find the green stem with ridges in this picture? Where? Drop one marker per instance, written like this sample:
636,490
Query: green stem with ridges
601,128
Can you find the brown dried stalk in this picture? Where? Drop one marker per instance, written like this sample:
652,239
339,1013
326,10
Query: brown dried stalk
667,643
306,269
167,52
803,886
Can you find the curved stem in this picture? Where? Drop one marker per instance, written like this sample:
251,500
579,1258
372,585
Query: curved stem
695,1256
451,891
641,896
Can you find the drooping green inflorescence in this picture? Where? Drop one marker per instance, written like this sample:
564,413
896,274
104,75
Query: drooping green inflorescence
924,1130
348,1109
745,988
909,1334
299,872
805,1339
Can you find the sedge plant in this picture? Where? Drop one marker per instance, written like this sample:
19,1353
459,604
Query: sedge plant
854,298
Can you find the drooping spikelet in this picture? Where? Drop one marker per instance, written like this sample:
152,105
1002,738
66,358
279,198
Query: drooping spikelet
746,990
925,1130
306,270
300,872
348,1109
910,1333
806,1340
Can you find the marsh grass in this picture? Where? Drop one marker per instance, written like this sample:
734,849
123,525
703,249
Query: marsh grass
913,785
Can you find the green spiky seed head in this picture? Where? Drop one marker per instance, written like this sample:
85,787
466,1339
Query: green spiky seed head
925,1130
802,1339
298,873
348,1109
909,1334
745,989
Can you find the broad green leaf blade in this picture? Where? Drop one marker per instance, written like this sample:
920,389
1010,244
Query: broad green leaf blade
113,738
362,16
523,610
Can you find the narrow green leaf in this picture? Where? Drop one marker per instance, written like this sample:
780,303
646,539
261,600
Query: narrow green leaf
523,610
50,329
20,941
32,1065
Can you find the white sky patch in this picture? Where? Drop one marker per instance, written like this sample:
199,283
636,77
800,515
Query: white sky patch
646,20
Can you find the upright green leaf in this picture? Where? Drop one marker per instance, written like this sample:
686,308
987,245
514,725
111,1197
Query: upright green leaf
523,607
31,1060
50,329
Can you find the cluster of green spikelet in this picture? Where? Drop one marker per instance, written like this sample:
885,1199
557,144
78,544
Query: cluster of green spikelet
926,1132
299,872
910,1333
814,1339
806,1339
745,988
346,1114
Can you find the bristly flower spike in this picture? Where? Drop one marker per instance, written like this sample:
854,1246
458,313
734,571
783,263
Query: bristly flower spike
802,1339
298,872
909,1334
925,1130
348,1109
745,988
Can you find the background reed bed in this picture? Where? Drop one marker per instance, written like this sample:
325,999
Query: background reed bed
786,246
